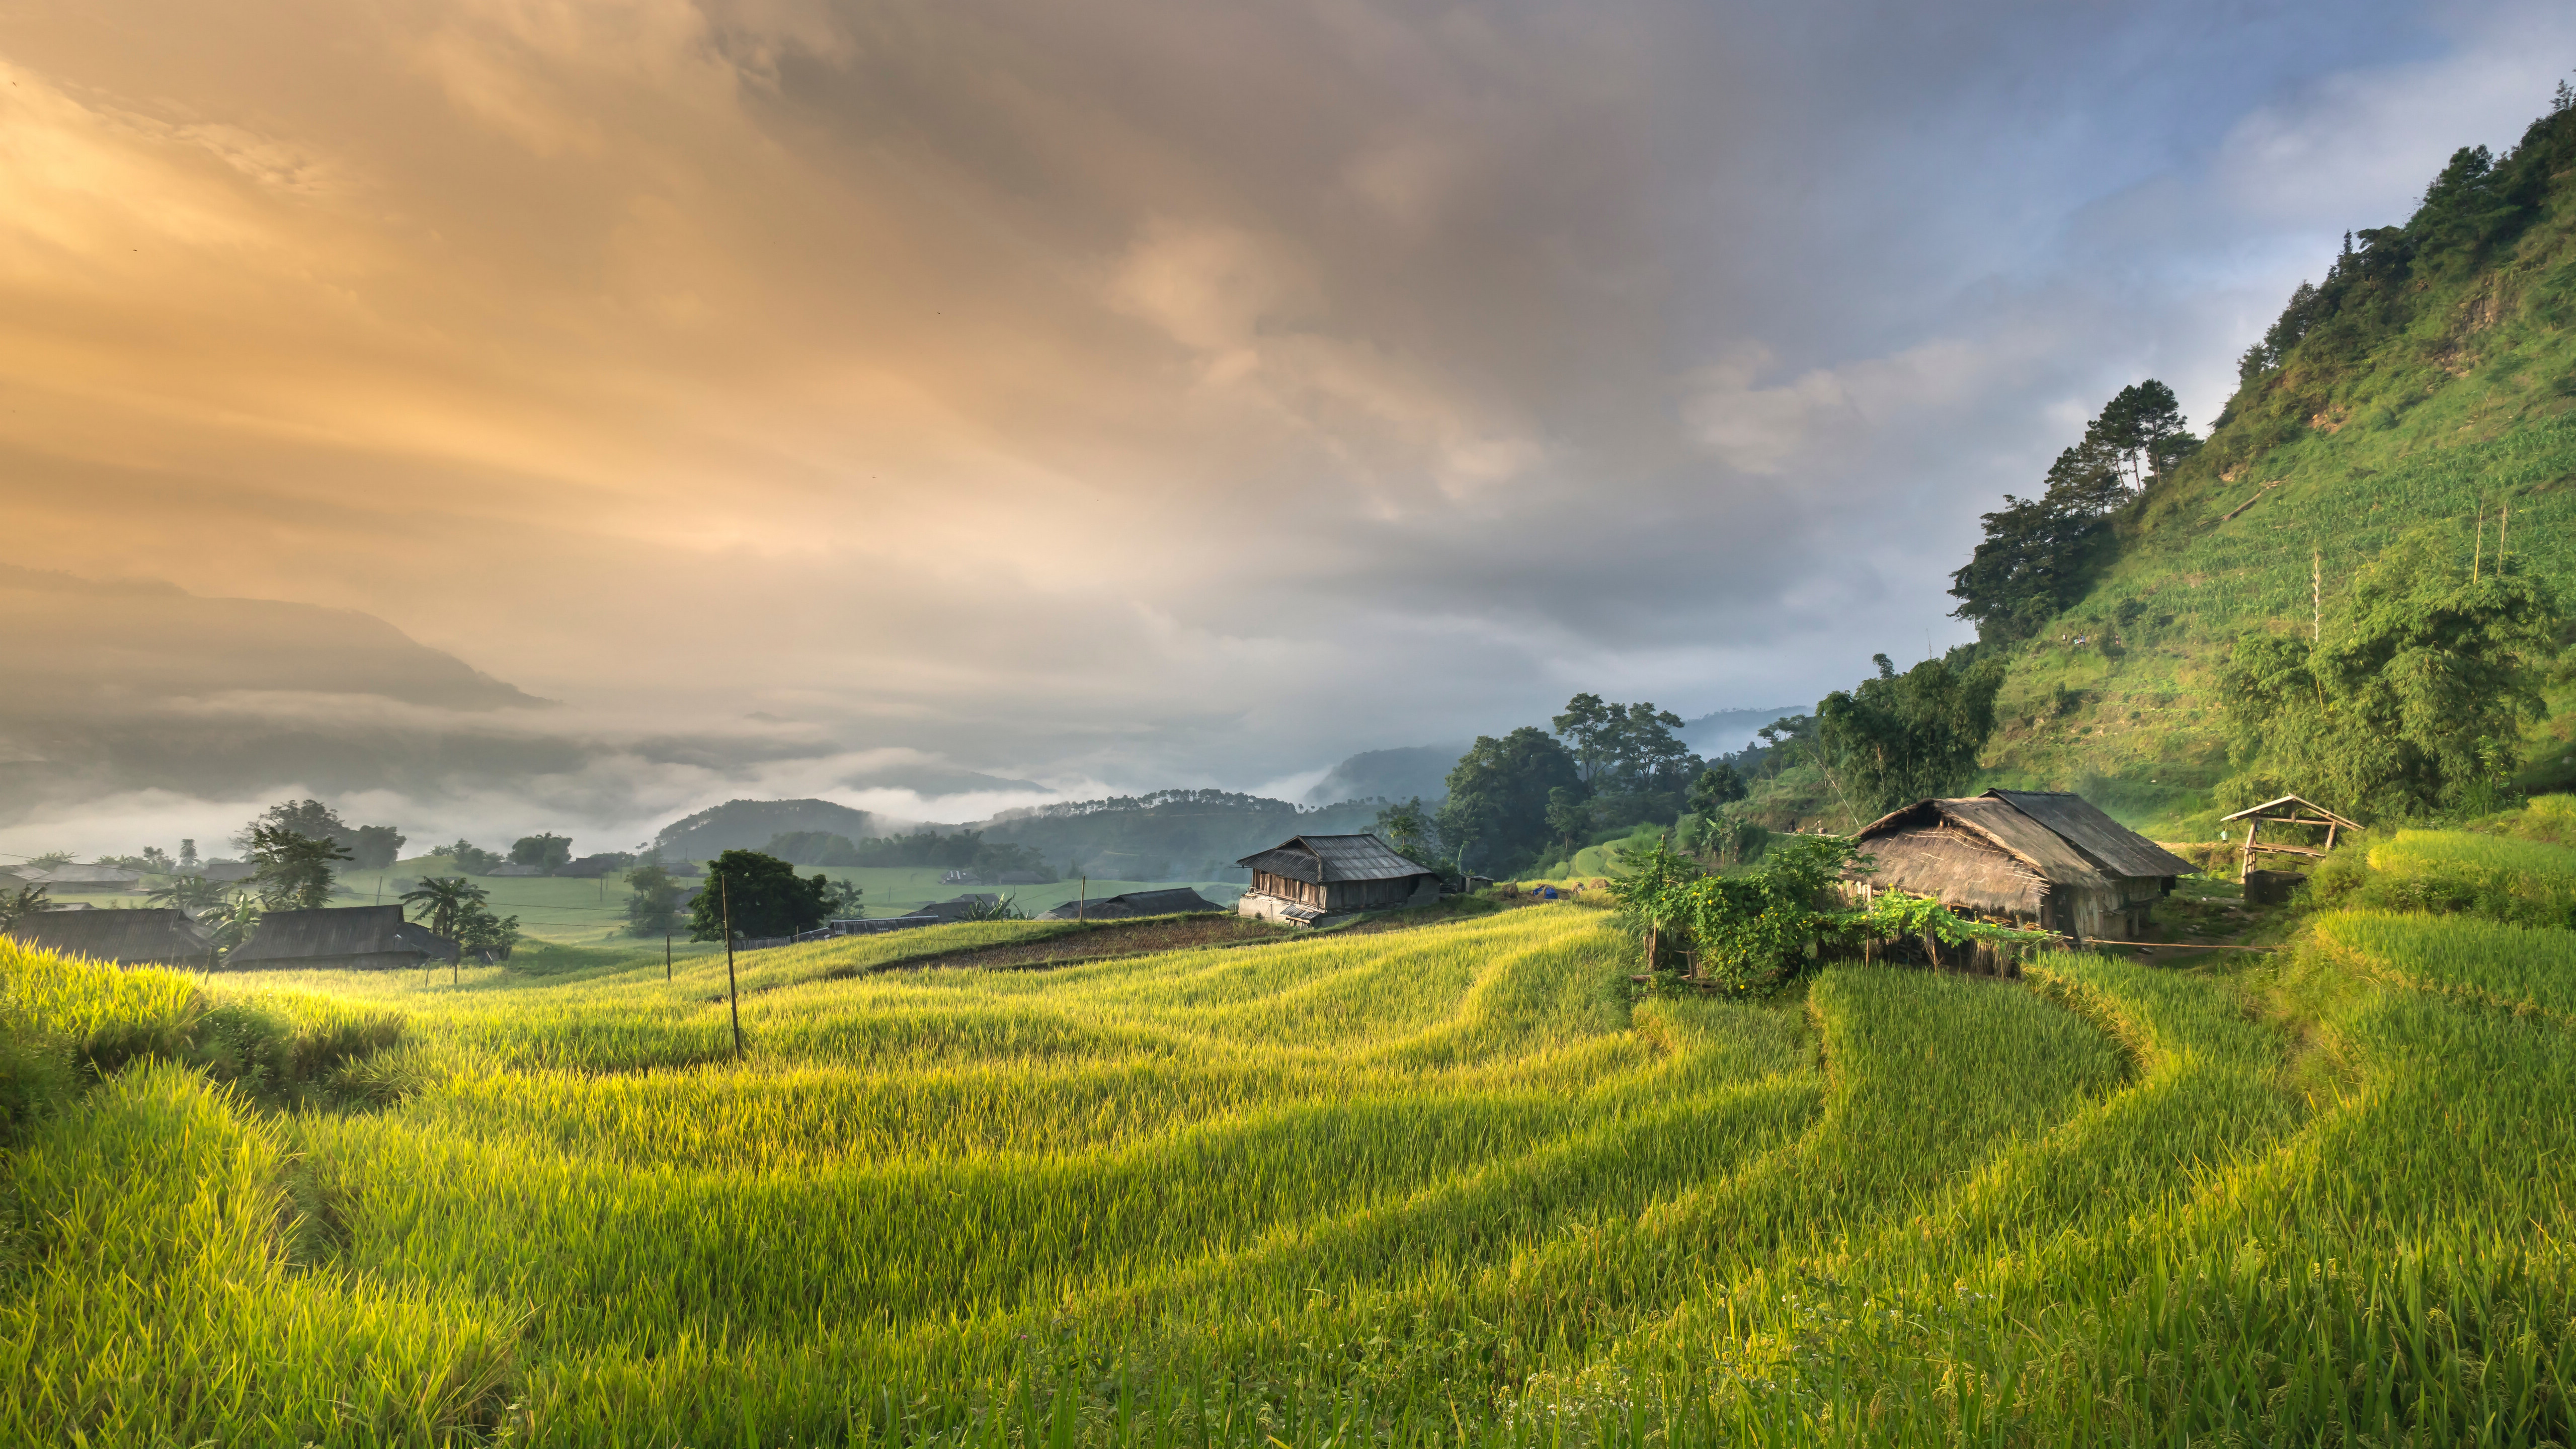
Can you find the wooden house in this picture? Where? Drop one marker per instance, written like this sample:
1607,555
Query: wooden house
1307,878
365,938
2032,858
128,938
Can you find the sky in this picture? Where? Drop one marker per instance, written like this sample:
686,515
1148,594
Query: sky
1112,396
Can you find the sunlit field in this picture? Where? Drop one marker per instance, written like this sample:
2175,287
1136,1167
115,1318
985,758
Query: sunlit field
1431,1185
593,912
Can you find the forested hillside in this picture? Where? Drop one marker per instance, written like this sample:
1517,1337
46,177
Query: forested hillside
2427,384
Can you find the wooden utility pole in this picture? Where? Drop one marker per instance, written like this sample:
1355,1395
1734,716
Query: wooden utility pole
1082,906
733,987
666,958
2316,594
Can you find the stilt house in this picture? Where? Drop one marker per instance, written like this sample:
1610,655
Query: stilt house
1306,878
2032,858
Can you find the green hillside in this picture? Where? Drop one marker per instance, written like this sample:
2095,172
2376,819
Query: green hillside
1441,1185
2429,381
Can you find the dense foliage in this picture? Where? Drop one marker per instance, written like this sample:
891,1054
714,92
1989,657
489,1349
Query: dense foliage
2040,554
1753,931
653,907
1497,811
764,895
2413,699
1905,737
368,847
544,851
295,871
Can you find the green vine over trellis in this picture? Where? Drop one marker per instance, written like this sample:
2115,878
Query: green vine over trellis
1750,933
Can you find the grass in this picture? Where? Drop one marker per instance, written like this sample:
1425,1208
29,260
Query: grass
569,912
1441,1184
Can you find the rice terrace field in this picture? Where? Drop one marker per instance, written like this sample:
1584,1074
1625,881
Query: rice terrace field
1448,1184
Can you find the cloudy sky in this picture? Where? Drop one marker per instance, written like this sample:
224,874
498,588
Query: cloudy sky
1120,394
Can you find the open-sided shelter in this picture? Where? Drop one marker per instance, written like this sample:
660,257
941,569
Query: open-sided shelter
2042,859
1306,878
128,938
364,938
2288,810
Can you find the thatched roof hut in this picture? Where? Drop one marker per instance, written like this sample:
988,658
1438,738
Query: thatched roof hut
2040,858
341,937
1179,901
128,938
1306,878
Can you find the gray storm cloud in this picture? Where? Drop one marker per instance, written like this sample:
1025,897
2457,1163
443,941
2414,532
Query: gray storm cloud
1125,394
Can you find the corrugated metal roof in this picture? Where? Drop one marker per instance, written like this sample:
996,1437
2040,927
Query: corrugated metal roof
132,938
2109,844
88,875
1179,901
339,931
1323,859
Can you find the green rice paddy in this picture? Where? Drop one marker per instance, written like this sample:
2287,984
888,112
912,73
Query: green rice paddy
1439,1185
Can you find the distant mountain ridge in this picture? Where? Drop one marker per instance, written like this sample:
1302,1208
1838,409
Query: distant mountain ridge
1397,774
751,824
1725,731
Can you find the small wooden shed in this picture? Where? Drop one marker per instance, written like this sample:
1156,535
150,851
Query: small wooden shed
2042,859
128,938
1306,878
354,937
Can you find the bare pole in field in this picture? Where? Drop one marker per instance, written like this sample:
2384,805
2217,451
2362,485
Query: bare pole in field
666,958
2316,595
733,988
1082,906
2479,552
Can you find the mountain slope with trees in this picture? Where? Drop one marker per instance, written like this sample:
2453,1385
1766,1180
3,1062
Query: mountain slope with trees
2424,391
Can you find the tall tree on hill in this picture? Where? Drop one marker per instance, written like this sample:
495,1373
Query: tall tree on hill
2142,425
2039,554
370,847
1497,811
544,850
1587,727
767,898
294,871
1904,737
2412,701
